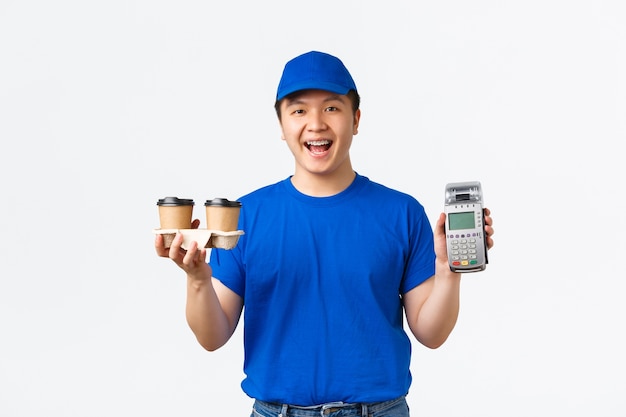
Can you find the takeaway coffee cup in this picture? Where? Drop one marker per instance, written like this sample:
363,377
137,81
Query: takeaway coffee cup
175,213
222,214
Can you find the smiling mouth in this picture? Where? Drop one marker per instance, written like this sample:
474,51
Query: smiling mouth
318,146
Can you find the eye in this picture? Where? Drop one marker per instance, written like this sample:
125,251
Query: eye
331,108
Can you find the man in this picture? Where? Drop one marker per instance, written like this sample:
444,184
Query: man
329,263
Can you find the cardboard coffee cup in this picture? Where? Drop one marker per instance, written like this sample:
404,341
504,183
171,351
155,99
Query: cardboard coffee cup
175,213
222,214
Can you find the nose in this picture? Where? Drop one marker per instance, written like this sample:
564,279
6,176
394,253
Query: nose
316,121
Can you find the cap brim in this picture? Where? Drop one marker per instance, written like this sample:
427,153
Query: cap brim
333,88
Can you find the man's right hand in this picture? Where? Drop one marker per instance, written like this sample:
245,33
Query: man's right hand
192,260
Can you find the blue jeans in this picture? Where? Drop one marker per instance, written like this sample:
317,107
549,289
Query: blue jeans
392,408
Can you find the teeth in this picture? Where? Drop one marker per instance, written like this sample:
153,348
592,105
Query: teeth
318,143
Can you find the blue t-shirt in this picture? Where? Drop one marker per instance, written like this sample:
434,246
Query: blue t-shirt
321,279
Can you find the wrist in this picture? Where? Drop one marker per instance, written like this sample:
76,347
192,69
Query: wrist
197,282
442,269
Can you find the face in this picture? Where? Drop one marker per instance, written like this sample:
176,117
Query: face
318,127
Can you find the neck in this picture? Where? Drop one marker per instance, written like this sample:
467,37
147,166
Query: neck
323,185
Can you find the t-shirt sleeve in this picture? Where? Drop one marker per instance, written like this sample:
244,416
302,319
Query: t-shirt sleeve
227,268
421,262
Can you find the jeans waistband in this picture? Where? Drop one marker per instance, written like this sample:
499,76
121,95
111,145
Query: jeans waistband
360,409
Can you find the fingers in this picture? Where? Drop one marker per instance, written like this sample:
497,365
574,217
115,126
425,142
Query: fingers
195,224
439,234
175,246
488,219
489,231
191,254
488,222
159,246
176,252
192,260
187,259
194,255
440,227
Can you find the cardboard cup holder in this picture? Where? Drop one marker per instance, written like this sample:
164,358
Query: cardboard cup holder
205,238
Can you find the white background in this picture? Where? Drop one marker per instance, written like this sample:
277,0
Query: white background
107,106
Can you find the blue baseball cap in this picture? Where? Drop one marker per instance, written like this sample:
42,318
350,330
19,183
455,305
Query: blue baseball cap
315,71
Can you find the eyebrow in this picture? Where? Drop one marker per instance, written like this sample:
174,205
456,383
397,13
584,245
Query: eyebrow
298,100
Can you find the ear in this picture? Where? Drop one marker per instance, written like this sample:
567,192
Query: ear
282,131
357,118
